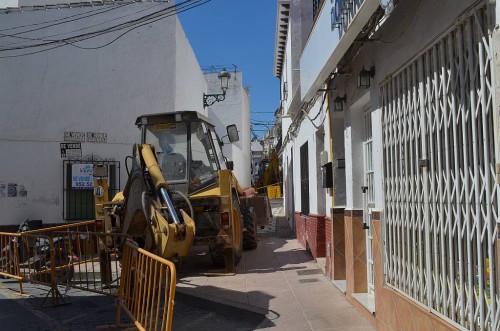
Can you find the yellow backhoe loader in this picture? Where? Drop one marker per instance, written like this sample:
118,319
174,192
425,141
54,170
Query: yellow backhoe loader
181,191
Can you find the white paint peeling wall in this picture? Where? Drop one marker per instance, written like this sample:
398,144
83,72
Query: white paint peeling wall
69,89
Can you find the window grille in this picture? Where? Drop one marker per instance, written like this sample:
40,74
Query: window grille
441,200
316,8
78,203
304,179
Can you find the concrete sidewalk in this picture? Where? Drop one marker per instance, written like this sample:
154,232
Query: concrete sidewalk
280,277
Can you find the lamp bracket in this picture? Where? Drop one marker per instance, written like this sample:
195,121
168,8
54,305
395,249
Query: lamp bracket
210,99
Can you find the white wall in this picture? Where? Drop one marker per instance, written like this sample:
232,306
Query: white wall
69,89
319,57
338,152
307,132
188,96
235,109
353,138
9,3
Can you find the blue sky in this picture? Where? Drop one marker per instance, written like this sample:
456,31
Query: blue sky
240,32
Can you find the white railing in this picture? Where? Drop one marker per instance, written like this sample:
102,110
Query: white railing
368,198
343,12
441,199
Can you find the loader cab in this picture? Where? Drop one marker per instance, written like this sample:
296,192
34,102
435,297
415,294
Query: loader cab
187,149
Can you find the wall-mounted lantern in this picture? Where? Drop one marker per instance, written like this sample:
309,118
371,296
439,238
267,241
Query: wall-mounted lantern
365,76
210,99
339,103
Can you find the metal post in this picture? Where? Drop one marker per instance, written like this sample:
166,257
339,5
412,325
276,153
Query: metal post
425,179
476,158
458,210
466,199
484,112
17,266
448,194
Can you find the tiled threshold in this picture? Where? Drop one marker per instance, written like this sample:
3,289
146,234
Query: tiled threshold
341,284
367,300
321,262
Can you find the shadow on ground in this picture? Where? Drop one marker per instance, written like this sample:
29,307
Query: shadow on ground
86,311
198,277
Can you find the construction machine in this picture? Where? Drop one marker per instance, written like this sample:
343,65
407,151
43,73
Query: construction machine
268,177
181,191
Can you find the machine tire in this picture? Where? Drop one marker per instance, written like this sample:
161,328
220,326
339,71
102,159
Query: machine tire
217,254
250,233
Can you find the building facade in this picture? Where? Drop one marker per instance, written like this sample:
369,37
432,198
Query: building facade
234,109
69,105
391,155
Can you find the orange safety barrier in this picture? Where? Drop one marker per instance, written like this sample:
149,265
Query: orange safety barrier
147,289
59,256
9,257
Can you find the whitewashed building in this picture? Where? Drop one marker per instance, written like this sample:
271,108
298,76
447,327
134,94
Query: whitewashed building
397,101
234,109
71,103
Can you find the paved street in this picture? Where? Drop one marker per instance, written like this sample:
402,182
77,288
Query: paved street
279,277
277,287
87,310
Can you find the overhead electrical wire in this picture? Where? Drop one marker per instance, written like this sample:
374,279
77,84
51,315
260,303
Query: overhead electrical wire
114,28
48,40
133,28
99,10
80,29
129,25
102,11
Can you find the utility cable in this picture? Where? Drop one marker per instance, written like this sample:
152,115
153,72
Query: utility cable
136,27
64,33
101,11
112,28
131,25
96,33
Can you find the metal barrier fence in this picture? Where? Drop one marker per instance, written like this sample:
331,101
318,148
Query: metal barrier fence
147,289
9,257
70,255
91,261
95,260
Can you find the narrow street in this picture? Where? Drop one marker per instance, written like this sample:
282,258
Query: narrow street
282,278
278,286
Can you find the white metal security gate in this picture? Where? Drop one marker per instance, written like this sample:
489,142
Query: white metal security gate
368,198
441,199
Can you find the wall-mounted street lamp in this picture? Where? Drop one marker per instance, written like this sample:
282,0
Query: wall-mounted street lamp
210,99
365,76
339,103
